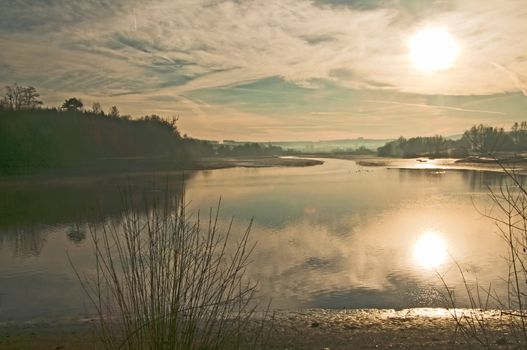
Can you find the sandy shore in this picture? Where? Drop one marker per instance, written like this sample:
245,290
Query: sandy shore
255,162
518,165
305,329
379,329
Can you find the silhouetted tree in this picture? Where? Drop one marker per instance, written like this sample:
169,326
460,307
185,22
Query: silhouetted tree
114,112
72,104
522,136
96,108
491,139
20,97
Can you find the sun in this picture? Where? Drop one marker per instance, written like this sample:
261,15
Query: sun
430,250
433,49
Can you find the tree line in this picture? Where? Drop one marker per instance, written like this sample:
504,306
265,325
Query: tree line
34,138
478,139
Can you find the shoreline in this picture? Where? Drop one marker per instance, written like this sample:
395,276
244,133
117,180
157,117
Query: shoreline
56,176
201,164
516,165
419,328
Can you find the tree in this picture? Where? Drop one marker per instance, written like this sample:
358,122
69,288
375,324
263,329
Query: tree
96,108
19,97
72,104
114,112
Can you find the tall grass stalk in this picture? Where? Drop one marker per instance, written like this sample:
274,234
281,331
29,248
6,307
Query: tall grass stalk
163,280
509,212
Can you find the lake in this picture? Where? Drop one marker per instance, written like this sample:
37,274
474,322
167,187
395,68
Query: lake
337,235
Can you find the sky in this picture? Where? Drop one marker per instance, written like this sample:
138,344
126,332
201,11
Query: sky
264,70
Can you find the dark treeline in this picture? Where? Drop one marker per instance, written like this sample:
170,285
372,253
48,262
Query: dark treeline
35,139
251,149
360,151
51,138
478,139
435,146
201,148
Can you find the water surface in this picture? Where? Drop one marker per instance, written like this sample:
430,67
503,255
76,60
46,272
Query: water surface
338,235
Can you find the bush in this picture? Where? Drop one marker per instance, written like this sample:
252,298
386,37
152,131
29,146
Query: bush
162,281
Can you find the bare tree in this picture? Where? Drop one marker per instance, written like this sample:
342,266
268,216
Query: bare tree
19,97
114,112
96,108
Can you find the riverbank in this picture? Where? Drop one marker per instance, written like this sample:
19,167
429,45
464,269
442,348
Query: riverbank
78,178
472,163
306,329
516,163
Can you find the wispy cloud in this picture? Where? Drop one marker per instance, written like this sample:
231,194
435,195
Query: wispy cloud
419,105
135,53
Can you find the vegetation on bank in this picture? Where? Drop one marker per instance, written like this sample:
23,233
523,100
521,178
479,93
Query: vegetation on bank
487,138
509,214
435,146
72,137
170,280
35,139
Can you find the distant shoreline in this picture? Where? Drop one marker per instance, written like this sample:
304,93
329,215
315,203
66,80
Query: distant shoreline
518,164
79,176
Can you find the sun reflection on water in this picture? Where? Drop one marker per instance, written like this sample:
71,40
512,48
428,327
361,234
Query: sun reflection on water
430,250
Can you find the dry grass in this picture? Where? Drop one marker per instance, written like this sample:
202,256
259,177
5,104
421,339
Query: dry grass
163,281
509,212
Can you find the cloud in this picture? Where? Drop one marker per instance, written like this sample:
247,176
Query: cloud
406,9
146,49
332,111
252,39
440,107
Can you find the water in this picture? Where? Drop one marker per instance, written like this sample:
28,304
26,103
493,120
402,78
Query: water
337,235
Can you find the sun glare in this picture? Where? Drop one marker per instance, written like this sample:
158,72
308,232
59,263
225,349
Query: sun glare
430,250
433,49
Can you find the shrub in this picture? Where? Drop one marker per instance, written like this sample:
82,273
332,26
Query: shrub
162,281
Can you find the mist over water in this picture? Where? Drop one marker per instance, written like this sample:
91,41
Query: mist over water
337,235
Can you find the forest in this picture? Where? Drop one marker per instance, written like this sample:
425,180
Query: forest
34,139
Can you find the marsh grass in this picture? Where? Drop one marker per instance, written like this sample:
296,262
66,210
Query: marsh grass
165,280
